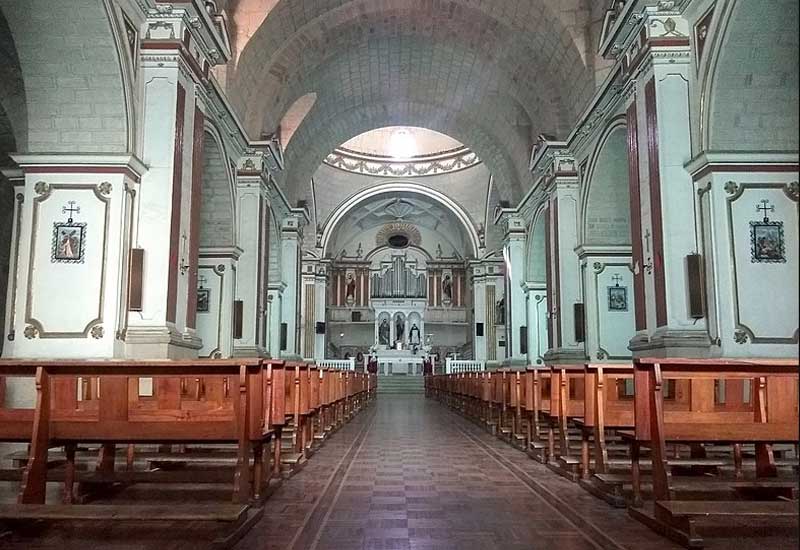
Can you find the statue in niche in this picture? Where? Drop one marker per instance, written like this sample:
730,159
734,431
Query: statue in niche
399,329
500,312
383,333
447,289
413,335
350,290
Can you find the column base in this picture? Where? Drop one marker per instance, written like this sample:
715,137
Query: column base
493,365
251,352
570,356
518,363
670,342
160,342
291,357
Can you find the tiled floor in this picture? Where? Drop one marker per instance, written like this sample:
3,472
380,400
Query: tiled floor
420,477
408,473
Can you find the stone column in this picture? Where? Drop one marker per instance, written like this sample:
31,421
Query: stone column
291,236
516,311
536,296
275,310
479,345
253,216
563,275
659,145
321,290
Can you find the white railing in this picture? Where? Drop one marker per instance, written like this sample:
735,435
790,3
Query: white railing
338,364
454,366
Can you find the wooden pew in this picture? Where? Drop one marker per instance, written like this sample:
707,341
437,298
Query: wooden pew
538,410
566,404
773,419
192,402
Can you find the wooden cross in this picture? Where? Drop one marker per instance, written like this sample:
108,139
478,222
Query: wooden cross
72,209
202,280
617,279
765,207
647,239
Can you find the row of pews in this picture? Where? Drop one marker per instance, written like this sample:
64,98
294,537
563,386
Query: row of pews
100,427
679,442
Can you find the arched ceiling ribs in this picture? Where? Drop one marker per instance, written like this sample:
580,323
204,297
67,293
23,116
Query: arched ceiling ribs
324,130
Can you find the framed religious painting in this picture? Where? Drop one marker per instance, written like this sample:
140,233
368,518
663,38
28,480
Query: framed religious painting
69,242
203,300
617,298
766,242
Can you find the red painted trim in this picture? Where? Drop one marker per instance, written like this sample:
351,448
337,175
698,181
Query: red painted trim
556,255
263,245
83,169
654,170
748,168
640,306
175,223
194,229
548,275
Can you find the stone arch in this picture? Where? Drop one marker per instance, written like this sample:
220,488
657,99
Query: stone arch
341,211
294,117
751,93
217,210
605,212
77,101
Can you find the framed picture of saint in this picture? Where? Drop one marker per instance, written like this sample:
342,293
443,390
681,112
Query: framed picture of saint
203,300
617,298
766,242
68,242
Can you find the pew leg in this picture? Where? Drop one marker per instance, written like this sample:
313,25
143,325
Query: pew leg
276,458
242,483
585,455
765,461
106,458
131,455
737,460
551,443
258,469
69,474
636,474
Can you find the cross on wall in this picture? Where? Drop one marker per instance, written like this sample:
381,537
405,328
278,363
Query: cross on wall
765,207
616,279
70,209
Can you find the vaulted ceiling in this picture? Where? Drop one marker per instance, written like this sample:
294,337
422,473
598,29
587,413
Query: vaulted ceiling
492,75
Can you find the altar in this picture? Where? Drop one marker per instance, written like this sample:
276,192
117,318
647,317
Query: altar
399,362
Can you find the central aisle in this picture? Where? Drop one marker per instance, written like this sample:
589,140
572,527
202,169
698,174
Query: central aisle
410,474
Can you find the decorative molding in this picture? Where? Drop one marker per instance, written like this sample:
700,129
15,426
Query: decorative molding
443,163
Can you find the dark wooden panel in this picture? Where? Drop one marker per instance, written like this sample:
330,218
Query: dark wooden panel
136,280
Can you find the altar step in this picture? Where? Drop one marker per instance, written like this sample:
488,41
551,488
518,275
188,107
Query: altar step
401,385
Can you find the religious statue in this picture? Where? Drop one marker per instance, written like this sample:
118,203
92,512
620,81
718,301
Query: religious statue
383,333
447,289
413,335
350,290
400,328
500,312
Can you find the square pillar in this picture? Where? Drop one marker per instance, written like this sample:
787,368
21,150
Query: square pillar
253,217
291,236
514,247
215,297
536,302
71,237
563,267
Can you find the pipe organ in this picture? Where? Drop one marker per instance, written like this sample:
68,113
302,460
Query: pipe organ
400,280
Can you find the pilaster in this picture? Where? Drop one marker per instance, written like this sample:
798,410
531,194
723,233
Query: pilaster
253,216
291,238
536,302
658,62
514,247
216,291
563,266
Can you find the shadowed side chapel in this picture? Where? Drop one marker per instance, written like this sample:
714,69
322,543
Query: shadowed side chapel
399,274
